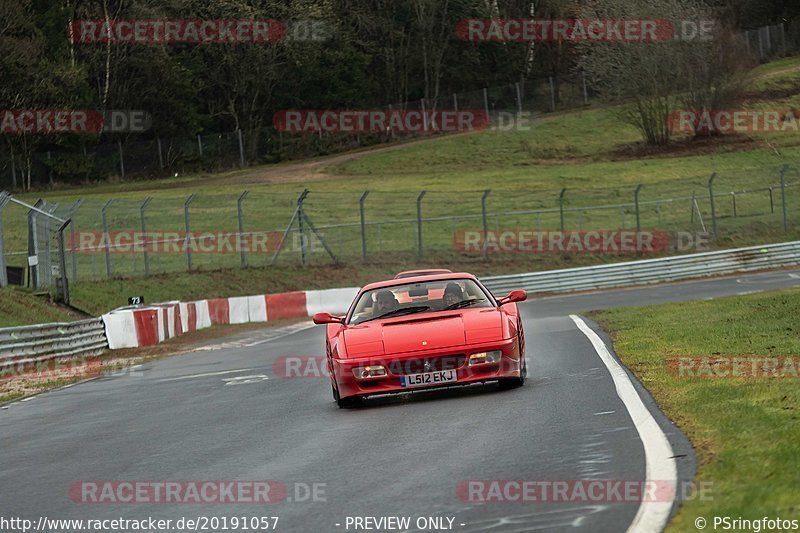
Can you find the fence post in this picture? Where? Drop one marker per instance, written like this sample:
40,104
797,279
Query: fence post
199,145
519,98
783,197
33,246
3,278
48,257
241,146
300,217
760,44
72,210
240,237
62,263
160,154
455,102
424,116
363,226
691,217
486,102
783,38
733,202
713,207
106,236
13,172
486,194
552,95
188,239
121,159
144,234
769,40
419,223
771,202
585,92
561,207
636,202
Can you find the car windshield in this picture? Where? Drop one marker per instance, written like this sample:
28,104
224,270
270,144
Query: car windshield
414,298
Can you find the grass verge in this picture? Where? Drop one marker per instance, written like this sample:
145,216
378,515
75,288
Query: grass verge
589,151
19,307
745,430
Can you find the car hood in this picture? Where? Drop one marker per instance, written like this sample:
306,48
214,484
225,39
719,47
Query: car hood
427,331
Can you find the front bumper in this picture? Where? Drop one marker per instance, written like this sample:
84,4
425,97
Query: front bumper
441,359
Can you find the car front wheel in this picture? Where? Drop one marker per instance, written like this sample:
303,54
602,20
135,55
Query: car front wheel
513,383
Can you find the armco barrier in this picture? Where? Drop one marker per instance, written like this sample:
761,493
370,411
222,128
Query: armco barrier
650,270
130,327
31,344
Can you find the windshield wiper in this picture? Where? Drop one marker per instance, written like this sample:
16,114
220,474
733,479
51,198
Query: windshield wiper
463,303
400,312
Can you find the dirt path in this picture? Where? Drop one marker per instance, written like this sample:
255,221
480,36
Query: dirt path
300,171
774,73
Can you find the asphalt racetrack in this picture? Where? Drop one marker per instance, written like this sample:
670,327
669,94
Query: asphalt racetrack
223,412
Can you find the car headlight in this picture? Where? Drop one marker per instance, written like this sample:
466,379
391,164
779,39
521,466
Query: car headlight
366,372
485,358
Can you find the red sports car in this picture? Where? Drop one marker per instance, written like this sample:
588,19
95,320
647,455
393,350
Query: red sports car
424,331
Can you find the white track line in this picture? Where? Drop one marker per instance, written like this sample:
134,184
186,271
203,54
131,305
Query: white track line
207,374
659,461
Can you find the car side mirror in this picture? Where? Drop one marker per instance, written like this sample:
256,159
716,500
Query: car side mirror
514,296
327,318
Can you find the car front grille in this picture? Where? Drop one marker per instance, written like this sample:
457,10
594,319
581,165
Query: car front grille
418,365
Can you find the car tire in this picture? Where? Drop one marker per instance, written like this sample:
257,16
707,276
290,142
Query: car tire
350,401
514,383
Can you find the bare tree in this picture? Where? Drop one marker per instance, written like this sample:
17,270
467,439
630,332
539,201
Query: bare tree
435,30
650,79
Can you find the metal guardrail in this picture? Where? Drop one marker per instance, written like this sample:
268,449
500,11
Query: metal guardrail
63,340
59,340
650,270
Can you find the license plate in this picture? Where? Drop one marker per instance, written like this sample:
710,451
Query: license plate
428,378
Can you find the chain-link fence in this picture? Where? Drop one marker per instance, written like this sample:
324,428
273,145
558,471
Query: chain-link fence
44,258
771,41
126,236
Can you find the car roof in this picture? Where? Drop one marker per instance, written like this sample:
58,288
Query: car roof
417,279
422,272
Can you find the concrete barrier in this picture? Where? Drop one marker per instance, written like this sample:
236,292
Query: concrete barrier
132,327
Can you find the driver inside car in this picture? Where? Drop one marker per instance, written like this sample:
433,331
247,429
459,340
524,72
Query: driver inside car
384,303
452,294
